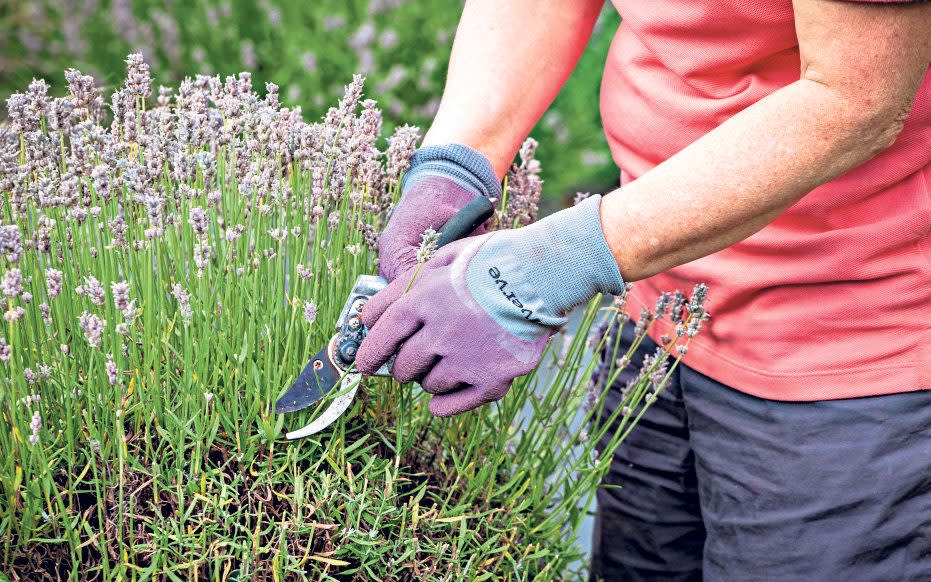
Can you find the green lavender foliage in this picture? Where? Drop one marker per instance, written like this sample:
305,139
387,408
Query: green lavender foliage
310,48
166,272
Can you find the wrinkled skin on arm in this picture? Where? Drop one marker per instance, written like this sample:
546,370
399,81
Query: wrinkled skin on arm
861,67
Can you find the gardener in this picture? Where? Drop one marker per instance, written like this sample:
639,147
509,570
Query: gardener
779,152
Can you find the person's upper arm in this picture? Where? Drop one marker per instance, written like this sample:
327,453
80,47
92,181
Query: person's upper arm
873,55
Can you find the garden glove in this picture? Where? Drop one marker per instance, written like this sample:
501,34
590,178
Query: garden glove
479,313
440,181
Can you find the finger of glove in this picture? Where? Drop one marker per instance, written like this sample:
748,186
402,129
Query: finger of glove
468,398
444,377
385,337
428,204
415,358
376,306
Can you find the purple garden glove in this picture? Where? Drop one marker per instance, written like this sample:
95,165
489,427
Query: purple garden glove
479,313
440,181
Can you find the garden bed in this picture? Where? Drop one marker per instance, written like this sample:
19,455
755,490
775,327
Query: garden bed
168,267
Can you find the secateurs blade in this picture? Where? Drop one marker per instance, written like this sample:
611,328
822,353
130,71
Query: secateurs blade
332,366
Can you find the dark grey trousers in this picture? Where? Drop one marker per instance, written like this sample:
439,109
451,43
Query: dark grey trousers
720,485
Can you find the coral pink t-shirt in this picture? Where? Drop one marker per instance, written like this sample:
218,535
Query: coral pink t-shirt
831,300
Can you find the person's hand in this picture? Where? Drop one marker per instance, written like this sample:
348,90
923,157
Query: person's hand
479,313
440,181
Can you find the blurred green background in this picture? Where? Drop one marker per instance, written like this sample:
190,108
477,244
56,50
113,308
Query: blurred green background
310,49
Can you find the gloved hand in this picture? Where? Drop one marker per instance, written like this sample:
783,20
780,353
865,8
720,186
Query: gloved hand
440,181
479,313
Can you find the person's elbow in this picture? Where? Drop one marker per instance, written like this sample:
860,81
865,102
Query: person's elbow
867,113
875,122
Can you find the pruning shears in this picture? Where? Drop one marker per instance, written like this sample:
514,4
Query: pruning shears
332,366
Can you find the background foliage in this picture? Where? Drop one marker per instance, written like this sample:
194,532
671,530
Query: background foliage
311,49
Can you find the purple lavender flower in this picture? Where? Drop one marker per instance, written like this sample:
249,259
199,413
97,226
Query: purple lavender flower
396,75
168,34
164,96
428,245
248,56
663,304
234,232
198,222
93,328
202,253
303,272
351,96
6,351
699,296
271,12
645,319
184,302
53,278
678,304
696,312
35,426
112,371
93,290
524,186
694,326
11,242
84,94
401,146
332,22
388,39
309,62
27,110
138,79
310,312
12,284
120,290
363,37
14,314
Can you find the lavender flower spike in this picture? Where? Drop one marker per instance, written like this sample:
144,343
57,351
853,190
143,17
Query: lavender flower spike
93,290
12,284
310,312
428,245
120,290
93,328
53,279
184,302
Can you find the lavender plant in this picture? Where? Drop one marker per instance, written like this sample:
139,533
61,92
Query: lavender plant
169,259
310,48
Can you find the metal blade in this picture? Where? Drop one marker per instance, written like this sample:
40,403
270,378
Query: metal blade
320,375
333,411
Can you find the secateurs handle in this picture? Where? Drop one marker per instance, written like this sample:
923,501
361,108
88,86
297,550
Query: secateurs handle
470,217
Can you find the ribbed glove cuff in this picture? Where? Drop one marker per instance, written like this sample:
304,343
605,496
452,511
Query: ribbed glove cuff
460,163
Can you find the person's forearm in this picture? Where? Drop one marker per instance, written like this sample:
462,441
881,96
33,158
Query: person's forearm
735,180
850,103
509,60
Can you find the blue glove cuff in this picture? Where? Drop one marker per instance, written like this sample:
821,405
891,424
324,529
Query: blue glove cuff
460,163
